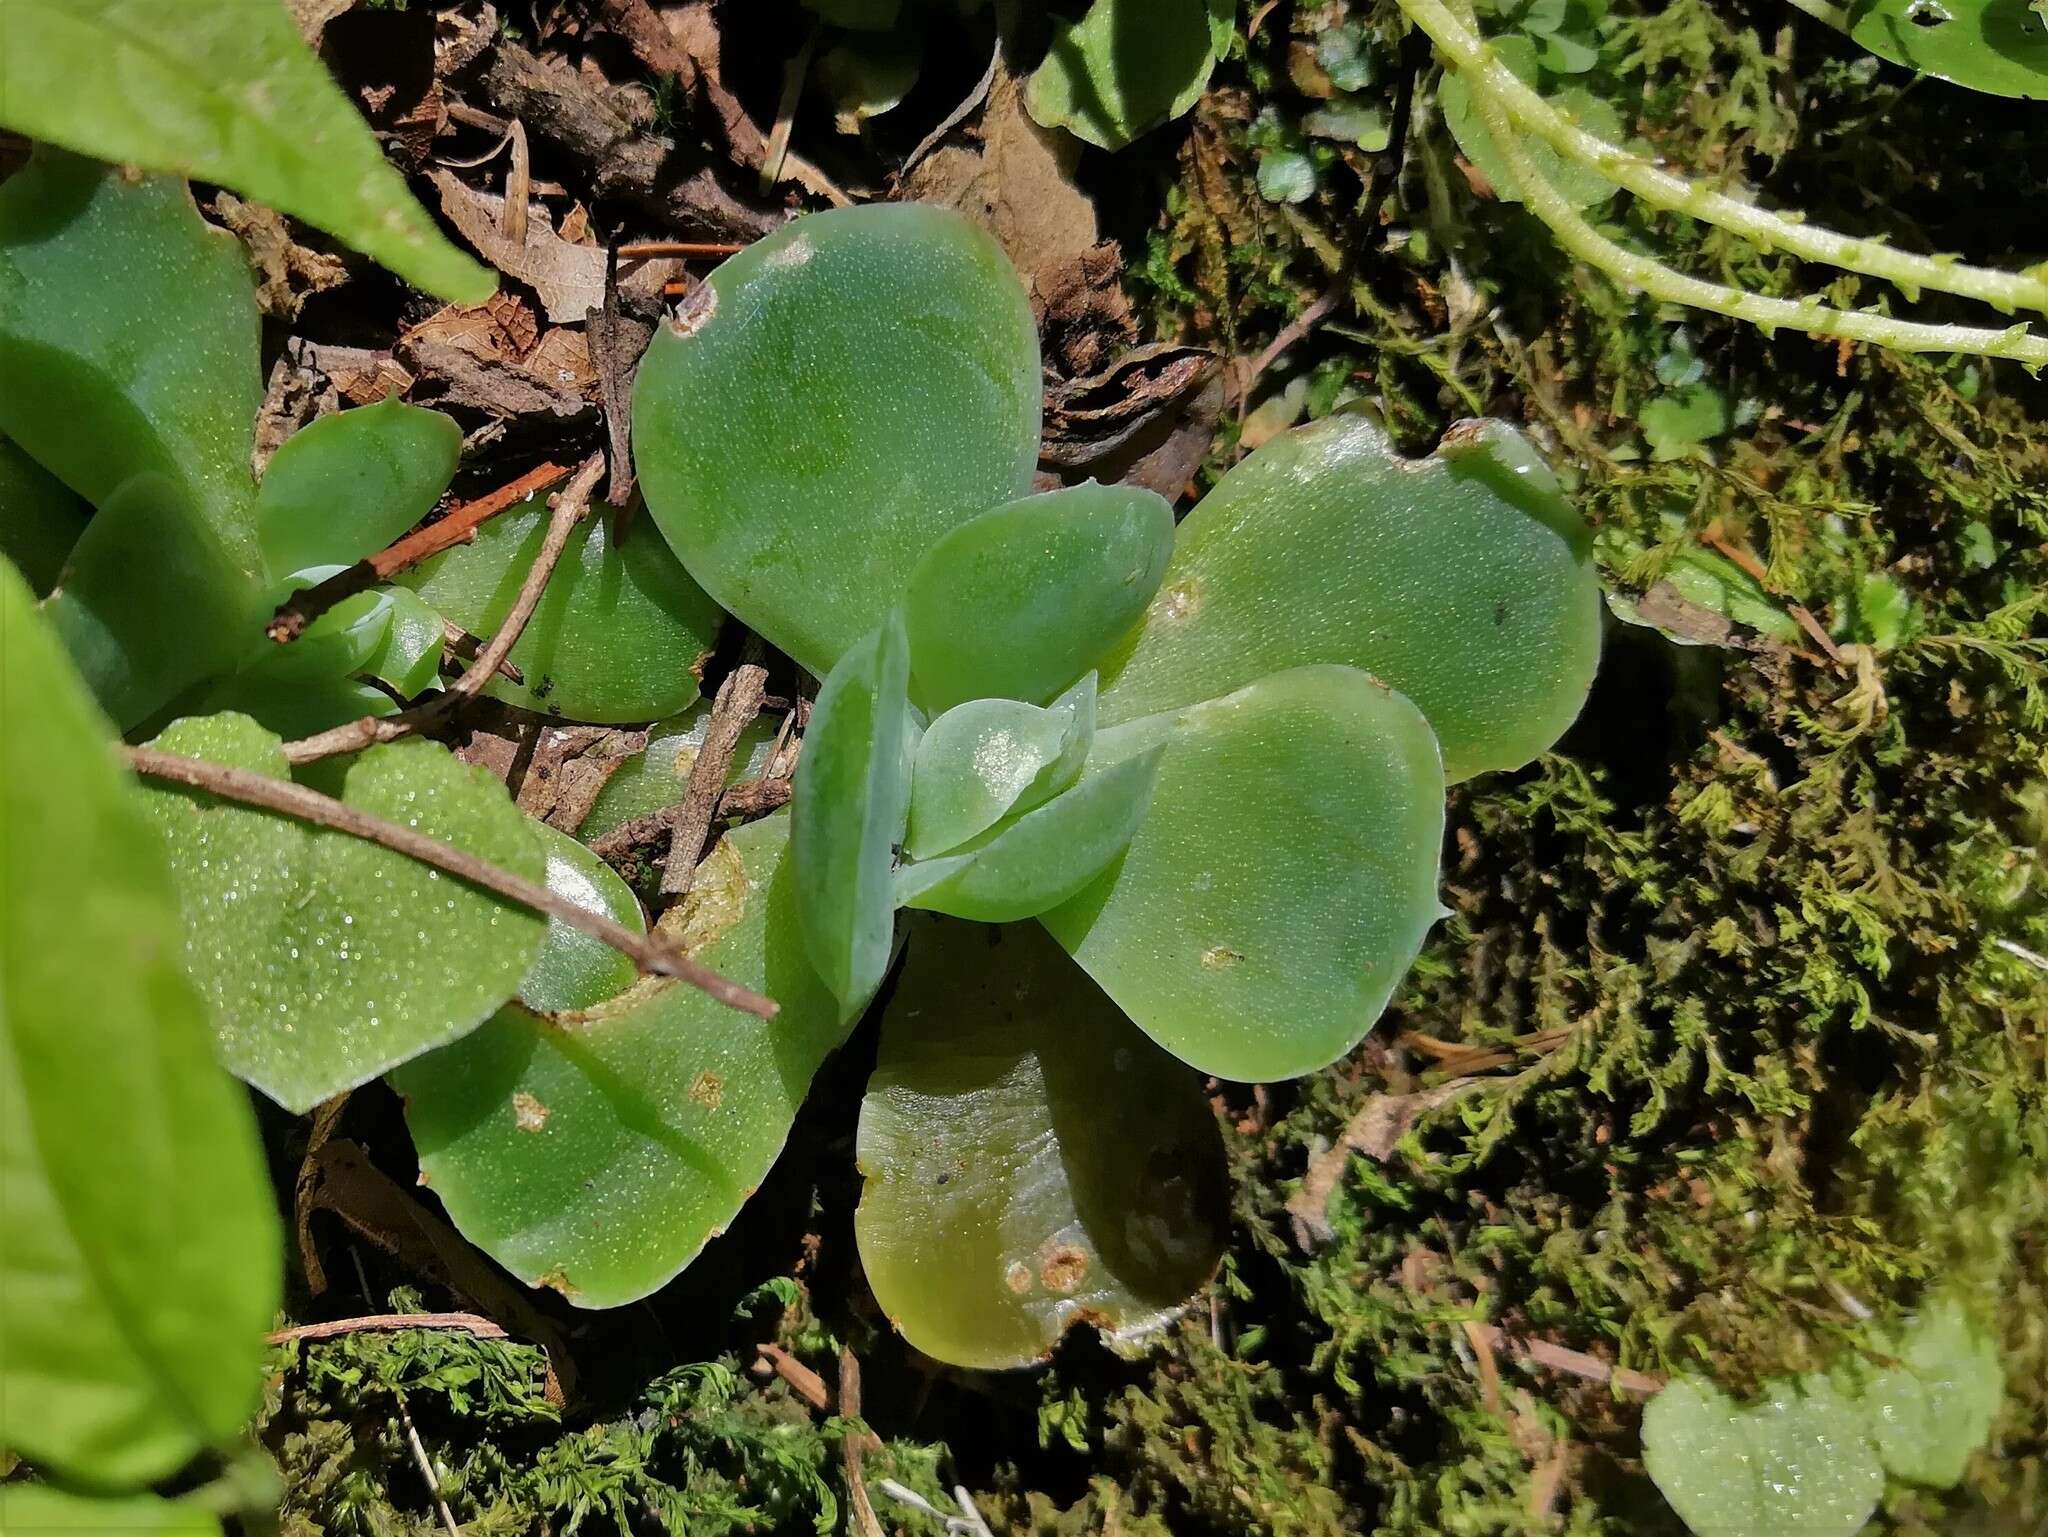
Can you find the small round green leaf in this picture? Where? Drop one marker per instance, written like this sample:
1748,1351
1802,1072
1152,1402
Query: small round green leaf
982,760
1799,1461
575,970
409,659
596,1153
1124,68
1031,1161
1934,1407
345,486
620,633
1283,881
826,405
1022,600
852,797
1996,46
1465,580
655,778
325,959
1036,861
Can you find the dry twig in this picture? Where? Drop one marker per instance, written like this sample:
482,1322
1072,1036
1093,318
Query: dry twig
738,702
390,1323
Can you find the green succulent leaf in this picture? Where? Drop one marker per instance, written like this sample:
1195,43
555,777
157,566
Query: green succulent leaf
596,1153
1124,68
227,94
1465,580
345,486
852,799
40,520
1996,46
1038,860
409,658
1928,1412
1799,1461
1268,950
1581,184
29,1510
339,642
575,970
294,707
621,631
876,374
655,778
982,760
327,960
1031,1160
141,1267
1019,602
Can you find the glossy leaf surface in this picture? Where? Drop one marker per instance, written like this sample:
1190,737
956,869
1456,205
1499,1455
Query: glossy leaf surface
227,94
1582,185
1930,1411
620,633
29,1510
325,959
984,759
1039,859
655,778
1283,880
40,520
1031,1160
1998,46
597,1152
1124,68
138,1240
575,970
852,797
409,657
1796,1462
1465,580
1021,601
346,485
875,373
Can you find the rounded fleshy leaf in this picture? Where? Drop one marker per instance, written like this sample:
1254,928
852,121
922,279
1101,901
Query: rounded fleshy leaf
291,708
1021,601
620,634
1465,580
852,797
1996,46
327,960
654,778
1799,1461
40,520
1124,68
575,970
1933,1407
598,1152
1031,1160
339,642
409,659
982,760
138,1234
1038,860
1283,881
827,404
345,486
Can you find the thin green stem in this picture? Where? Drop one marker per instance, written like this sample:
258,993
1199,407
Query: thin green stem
1662,283
1468,53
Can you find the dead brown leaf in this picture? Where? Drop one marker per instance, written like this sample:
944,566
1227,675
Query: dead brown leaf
569,278
287,273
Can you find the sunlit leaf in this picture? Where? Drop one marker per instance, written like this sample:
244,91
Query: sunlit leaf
1927,1413
1124,68
1020,602
348,484
40,519
220,93
655,778
621,631
575,970
138,1238
1582,185
28,1510
1465,580
1799,1461
1997,46
339,642
596,1153
984,759
1031,1160
1035,861
409,659
875,378
852,799
1283,880
325,959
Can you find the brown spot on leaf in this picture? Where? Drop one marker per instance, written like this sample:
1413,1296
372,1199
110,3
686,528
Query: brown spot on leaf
1221,958
1063,1268
696,310
707,1089
529,1113
1018,1277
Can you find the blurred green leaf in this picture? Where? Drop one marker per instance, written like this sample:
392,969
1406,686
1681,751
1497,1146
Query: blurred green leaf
40,520
29,1510
1934,1407
1799,1461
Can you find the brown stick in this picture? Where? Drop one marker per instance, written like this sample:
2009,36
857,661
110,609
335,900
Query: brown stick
738,702
465,646
459,527
390,1323
855,1445
648,250
807,1384
646,951
1575,1363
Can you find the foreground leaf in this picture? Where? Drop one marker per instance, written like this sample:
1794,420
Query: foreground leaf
621,632
876,377
655,778
1019,602
1997,46
345,486
1283,880
852,796
28,1510
575,970
1465,580
982,760
227,94
596,1153
1031,1160
1931,1410
1797,1462
138,1240
40,519
327,960
1123,69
